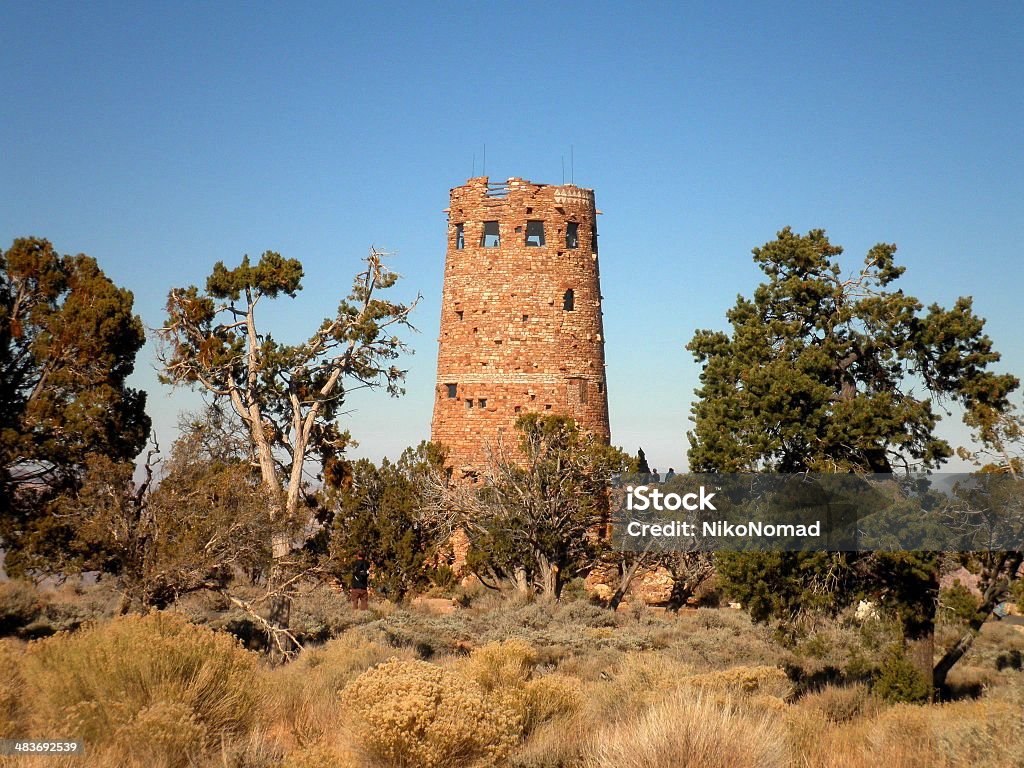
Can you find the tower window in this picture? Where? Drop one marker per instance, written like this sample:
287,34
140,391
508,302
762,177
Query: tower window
460,236
535,233
452,390
491,238
482,402
583,391
569,301
469,404
460,313
572,235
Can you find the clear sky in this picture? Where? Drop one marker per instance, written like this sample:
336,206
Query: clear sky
161,138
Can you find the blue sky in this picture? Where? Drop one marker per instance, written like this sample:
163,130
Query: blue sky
161,138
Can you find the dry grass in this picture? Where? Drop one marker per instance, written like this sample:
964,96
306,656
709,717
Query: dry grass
692,730
152,690
526,684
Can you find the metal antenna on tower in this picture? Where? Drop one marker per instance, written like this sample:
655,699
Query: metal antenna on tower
563,169
572,164
484,171
473,175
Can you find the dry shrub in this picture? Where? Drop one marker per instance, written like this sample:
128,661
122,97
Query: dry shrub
547,698
155,689
691,730
957,735
748,681
640,680
340,661
20,604
841,703
501,665
307,690
12,692
504,671
321,756
412,713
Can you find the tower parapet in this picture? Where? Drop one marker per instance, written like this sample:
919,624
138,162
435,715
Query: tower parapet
521,327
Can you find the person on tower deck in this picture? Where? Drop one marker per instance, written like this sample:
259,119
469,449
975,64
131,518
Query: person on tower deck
671,473
655,477
358,594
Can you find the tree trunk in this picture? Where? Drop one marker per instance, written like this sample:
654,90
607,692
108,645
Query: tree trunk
626,575
550,577
279,616
993,594
522,583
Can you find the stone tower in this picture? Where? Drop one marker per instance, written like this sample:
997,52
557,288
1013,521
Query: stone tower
521,327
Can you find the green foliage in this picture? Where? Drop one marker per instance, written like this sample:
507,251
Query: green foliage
377,513
287,397
957,604
899,681
535,510
828,373
205,521
68,341
817,372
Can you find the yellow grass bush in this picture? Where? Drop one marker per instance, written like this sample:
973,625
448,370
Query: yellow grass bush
548,698
307,689
841,703
321,756
748,681
691,729
501,665
412,713
12,692
157,688
966,734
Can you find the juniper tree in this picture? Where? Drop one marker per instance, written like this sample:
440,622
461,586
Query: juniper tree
831,373
535,517
68,341
287,396
377,512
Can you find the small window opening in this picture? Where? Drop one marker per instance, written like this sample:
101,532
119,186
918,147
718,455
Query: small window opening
491,238
569,300
497,342
518,408
482,402
460,313
452,390
460,236
547,407
529,210
525,318
600,387
535,233
469,404
572,235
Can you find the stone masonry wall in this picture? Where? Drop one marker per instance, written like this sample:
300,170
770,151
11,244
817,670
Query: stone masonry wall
512,340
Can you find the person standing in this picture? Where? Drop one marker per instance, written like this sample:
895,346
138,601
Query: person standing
358,594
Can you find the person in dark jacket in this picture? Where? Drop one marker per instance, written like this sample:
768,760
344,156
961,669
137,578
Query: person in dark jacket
359,591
